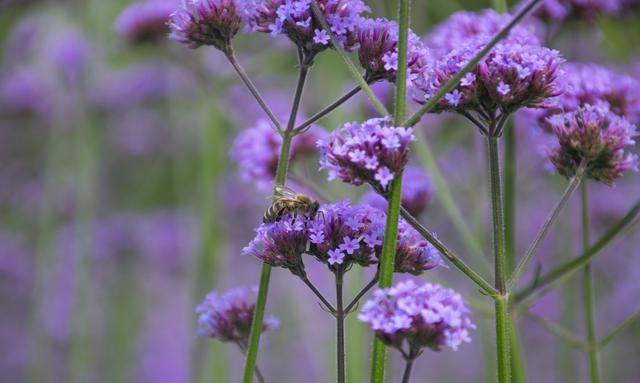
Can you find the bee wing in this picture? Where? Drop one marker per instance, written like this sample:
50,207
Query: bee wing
285,192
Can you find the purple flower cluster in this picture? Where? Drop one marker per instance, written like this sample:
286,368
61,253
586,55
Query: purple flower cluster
228,317
144,21
464,26
584,9
340,235
422,316
374,152
257,149
295,19
378,52
512,76
417,192
206,22
596,138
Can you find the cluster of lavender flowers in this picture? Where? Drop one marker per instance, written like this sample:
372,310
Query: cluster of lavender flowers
512,76
296,20
378,50
256,151
417,192
340,235
375,152
418,316
228,317
594,138
206,22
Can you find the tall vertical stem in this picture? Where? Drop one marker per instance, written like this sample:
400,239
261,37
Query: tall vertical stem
387,259
589,301
340,327
265,273
501,301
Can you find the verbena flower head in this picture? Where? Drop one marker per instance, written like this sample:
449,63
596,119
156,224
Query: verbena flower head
374,152
417,192
206,22
227,317
378,52
512,76
145,21
577,9
257,149
340,235
465,26
412,316
594,136
295,19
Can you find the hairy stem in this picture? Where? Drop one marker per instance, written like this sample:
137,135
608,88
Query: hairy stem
316,117
551,219
340,327
252,88
589,299
446,88
502,340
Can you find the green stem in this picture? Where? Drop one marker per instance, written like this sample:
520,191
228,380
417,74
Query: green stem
355,73
340,327
448,254
426,156
502,340
518,365
400,107
472,64
387,262
566,270
501,301
551,219
252,88
615,332
316,117
265,273
589,298
509,191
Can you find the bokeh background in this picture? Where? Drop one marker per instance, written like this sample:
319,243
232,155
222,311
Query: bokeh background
121,207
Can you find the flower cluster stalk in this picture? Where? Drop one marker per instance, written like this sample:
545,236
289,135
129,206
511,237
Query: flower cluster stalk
589,299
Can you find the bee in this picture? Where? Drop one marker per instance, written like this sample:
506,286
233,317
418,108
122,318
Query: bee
288,201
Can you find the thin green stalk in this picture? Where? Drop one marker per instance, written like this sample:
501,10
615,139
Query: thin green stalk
562,333
425,154
546,226
318,116
518,365
448,254
502,339
252,88
265,273
589,293
472,64
387,260
501,301
566,270
340,327
621,327
355,73
509,180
